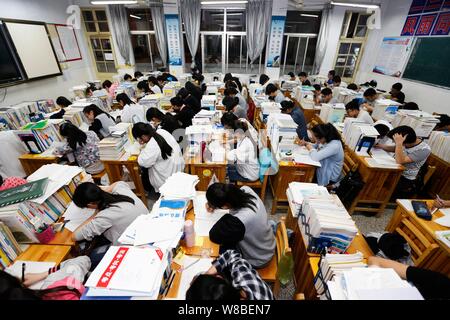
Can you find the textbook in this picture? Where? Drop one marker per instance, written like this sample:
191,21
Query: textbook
9,248
440,144
24,192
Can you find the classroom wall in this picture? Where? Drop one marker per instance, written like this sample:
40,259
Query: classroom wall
76,73
393,15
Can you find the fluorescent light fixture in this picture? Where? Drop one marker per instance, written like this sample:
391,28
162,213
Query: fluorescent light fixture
228,14
357,5
309,15
114,2
136,17
224,2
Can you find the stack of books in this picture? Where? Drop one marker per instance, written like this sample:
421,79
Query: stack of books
422,122
385,109
326,225
282,131
75,116
180,185
209,102
18,115
298,192
151,101
267,108
344,95
9,248
112,148
332,113
360,136
39,136
440,144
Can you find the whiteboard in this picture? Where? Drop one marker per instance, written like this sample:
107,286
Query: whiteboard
69,42
34,49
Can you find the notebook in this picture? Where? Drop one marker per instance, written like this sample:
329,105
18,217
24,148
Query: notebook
24,192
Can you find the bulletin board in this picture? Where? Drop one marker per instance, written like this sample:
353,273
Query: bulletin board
393,56
65,42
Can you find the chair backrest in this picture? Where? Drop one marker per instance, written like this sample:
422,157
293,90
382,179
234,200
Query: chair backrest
429,174
282,240
349,164
251,111
421,247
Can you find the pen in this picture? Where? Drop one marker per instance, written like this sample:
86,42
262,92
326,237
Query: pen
23,272
169,283
65,221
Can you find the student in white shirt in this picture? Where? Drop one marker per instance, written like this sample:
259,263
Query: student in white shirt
99,119
153,85
274,94
327,96
354,111
245,165
131,112
161,155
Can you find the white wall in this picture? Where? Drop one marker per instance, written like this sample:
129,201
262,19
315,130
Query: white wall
77,72
393,15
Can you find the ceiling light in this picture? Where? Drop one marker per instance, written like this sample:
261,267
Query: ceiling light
114,2
136,17
357,5
309,15
224,2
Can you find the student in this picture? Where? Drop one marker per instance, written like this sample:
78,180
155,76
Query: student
233,92
131,112
161,81
292,76
264,80
396,93
153,85
432,285
89,92
163,121
100,120
288,107
331,75
444,123
183,112
62,103
440,203
198,81
303,76
383,127
245,165
238,82
354,111
328,150
138,75
246,228
352,86
161,154
169,77
245,282
228,76
368,103
228,120
127,77
190,100
409,106
11,182
117,206
63,282
232,105
84,146
327,96
317,94
274,94
194,90
144,87
412,153
337,81
110,87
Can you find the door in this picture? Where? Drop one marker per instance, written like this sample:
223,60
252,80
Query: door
298,53
212,53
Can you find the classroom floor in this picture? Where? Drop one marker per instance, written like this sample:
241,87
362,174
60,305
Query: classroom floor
365,222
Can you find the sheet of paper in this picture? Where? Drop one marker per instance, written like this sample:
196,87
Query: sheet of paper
77,216
390,294
443,221
187,275
306,159
151,230
30,267
407,204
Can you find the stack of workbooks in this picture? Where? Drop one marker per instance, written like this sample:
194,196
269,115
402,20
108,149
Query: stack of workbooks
39,136
360,137
332,113
9,248
113,148
326,225
18,115
268,108
385,109
440,144
180,185
75,116
151,101
422,122
298,192
344,95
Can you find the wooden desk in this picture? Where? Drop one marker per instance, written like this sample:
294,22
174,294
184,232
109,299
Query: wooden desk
31,162
439,260
114,169
63,238
45,253
440,180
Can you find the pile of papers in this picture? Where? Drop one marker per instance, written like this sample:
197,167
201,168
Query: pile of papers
128,271
422,122
209,102
385,109
112,148
332,113
151,101
297,192
344,95
205,220
440,145
444,236
382,159
301,155
268,108
76,216
180,185
371,284
326,225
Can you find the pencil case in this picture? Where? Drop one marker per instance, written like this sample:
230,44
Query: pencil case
46,236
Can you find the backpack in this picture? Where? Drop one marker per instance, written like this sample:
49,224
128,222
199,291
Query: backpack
349,188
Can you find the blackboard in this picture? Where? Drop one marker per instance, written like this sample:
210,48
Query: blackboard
430,61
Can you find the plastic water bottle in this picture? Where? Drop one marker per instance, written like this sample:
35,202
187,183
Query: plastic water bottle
285,269
189,233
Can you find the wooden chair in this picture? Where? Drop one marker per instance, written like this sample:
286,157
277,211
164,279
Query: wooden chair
270,272
256,185
349,164
429,174
97,177
421,247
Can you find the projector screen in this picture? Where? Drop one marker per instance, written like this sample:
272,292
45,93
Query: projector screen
34,49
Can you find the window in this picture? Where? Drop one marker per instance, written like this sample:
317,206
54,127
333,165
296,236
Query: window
236,20
355,25
348,54
140,19
303,22
95,21
103,54
212,20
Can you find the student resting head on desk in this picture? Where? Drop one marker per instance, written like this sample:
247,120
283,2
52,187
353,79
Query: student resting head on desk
412,153
383,127
183,112
244,164
131,112
232,105
353,86
117,206
160,120
61,102
127,77
368,103
328,150
63,282
431,285
444,123
288,107
84,146
189,100
99,119
161,154
246,228
230,278
274,94
233,92
355,111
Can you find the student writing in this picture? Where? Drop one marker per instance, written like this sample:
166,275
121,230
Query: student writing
62,103
99,119
274,94
160,120
288,107
355,111
131,112
183,113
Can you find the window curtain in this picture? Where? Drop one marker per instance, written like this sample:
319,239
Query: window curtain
259,14
322,39
190,11
160,30
119,23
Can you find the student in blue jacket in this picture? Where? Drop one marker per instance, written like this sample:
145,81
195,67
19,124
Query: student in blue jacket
297,115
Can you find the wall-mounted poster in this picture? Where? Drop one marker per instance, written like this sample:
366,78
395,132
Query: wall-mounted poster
393,56
446,5
410,26
417,6
426,24
433,5
442,26
173,39
276,41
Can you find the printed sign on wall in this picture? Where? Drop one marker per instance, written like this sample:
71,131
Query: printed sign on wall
442,26
173,39
392,57
276,41
427,18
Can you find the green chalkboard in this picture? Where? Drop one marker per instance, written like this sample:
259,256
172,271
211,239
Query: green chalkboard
430,61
